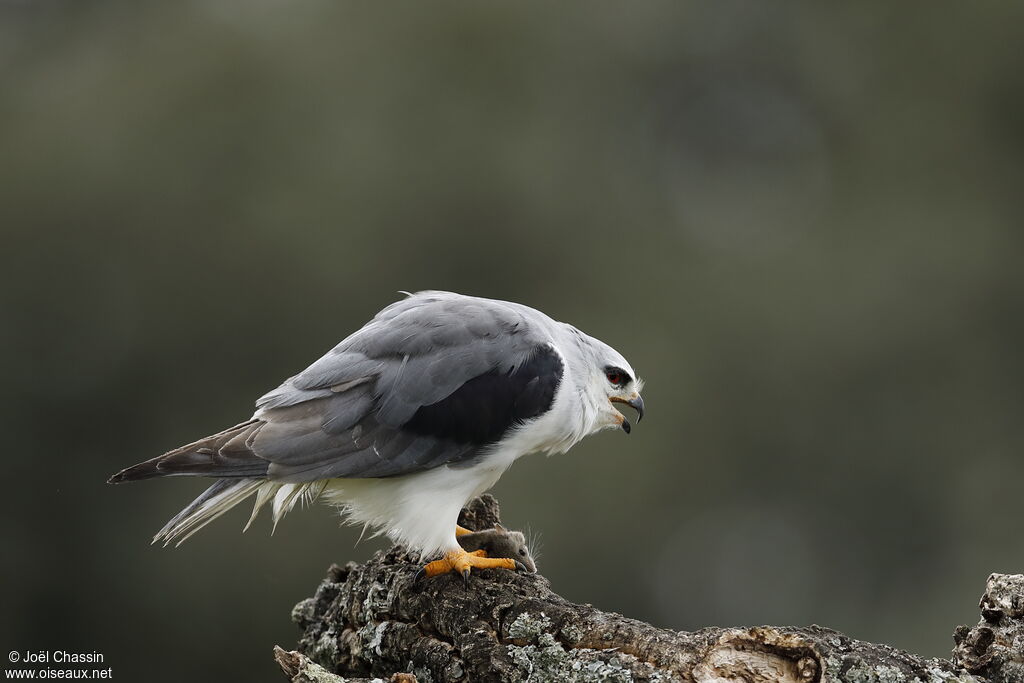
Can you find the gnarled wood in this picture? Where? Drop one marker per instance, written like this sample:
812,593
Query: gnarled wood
376,619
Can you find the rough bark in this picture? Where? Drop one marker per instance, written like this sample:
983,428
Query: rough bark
994,649
376,620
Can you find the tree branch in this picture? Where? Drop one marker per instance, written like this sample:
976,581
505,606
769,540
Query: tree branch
375,619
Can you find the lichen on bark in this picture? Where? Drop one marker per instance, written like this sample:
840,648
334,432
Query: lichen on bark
377,620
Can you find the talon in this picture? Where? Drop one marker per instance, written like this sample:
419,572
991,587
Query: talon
461,562
465,576
420,573
520,567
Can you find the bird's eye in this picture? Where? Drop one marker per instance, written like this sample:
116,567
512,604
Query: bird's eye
617,376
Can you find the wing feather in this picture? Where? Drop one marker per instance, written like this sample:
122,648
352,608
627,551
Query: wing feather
431,380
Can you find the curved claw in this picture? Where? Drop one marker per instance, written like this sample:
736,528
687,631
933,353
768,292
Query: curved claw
420,573
520,567
462,562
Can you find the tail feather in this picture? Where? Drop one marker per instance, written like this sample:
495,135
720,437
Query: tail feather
226,494
211,504
263,496
285,499
240,474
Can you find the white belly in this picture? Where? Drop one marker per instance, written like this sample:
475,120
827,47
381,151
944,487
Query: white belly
418,510
421,510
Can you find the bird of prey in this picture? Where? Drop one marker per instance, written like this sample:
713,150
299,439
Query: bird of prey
409,418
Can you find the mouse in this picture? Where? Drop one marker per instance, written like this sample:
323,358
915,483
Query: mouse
500,542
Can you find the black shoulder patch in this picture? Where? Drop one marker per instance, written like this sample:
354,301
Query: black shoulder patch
487,406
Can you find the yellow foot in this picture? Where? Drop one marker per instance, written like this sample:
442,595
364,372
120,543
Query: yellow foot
461,562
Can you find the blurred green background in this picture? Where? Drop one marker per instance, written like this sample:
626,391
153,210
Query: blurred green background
800,222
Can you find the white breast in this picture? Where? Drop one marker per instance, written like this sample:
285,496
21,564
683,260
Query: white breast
421,510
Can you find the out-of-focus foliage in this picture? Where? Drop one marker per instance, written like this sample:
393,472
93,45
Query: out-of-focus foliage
801,223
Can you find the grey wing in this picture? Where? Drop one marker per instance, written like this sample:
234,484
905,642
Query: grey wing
417,351
431,380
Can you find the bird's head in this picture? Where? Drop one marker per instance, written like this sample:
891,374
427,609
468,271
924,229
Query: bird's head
622,386
606,380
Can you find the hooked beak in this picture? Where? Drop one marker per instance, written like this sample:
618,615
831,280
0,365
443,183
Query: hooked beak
636,402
